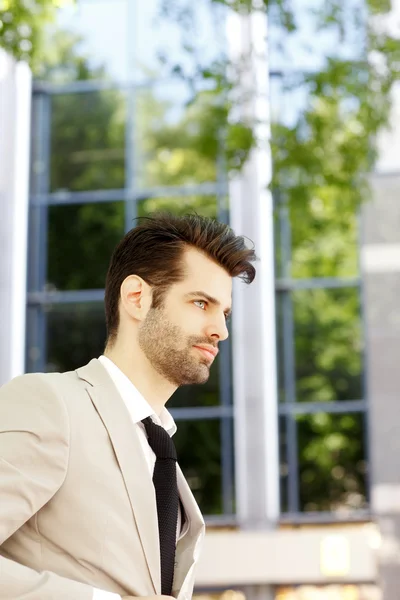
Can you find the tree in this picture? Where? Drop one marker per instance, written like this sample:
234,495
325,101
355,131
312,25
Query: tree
22,26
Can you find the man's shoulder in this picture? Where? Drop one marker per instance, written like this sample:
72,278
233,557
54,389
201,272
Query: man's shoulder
42,380
40,398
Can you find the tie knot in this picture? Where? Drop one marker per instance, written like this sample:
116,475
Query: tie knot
159,440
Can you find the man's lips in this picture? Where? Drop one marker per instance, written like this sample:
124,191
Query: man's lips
208,351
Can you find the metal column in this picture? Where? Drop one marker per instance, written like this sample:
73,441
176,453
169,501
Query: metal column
15,98
253,330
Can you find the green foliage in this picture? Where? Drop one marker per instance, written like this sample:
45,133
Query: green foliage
327,345
332,468
81,239
378,7
183,14
59,61
22,25
89,128
187,152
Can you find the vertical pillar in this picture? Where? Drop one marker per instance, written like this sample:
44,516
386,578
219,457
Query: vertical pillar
380,255
381,282
15,97
253,325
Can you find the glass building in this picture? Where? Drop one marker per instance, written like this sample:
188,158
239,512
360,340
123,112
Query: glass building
119,132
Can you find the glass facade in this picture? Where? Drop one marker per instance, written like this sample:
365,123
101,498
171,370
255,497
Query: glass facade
320,345
114,138
104,152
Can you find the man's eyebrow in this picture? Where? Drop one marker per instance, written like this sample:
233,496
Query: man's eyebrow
209,299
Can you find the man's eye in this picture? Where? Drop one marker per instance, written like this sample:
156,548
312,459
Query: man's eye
203,302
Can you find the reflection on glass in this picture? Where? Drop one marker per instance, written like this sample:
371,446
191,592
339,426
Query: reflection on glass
332,462
283,464
228,466
168,29
81,239
202,205
328,345
198,445
280,347
34,351
324,240
75,334
314,239
103,30
88,141
177,142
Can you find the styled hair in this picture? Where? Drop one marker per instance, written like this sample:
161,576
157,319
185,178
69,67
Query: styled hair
153,250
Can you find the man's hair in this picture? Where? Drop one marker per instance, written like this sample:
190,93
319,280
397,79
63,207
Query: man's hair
154,250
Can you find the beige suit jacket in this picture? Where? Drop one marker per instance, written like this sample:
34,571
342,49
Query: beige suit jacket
77,503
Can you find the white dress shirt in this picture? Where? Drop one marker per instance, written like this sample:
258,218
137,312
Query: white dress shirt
138,409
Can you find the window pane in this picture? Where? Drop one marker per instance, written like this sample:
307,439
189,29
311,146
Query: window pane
40,114
318,238
202,205
284,347
176,140
35,318
283,464
327,349
198,446
228,465
101,28
88,141
75,334
81,239
326,245
163,27
332,463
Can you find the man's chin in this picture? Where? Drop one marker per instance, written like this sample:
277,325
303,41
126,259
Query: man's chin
198,378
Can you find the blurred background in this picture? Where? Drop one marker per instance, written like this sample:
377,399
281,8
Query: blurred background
281,117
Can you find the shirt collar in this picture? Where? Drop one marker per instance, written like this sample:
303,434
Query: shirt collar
136,404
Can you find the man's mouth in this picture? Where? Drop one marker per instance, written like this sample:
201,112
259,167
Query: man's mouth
209,352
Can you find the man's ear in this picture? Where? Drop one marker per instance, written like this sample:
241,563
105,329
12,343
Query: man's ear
135,296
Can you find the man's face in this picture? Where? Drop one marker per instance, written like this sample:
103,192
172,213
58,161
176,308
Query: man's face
180,338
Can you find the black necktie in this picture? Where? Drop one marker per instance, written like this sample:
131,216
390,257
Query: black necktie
167,498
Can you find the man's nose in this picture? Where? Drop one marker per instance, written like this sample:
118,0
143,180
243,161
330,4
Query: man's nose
218,330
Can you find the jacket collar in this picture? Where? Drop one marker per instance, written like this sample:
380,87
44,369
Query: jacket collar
131,460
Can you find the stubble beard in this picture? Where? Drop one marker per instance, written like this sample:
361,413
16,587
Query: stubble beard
170,352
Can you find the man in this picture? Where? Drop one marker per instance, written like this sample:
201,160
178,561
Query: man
92,503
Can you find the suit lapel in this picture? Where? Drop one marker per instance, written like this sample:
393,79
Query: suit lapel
131,460
189,503
187,551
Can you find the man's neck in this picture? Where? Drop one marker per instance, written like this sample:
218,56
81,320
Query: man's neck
154,388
